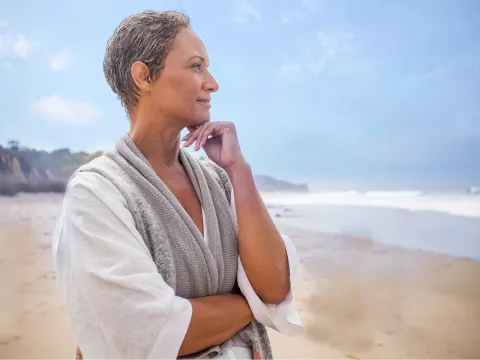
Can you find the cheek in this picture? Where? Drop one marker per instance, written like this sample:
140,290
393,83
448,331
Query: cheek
188,91
179,93
193,86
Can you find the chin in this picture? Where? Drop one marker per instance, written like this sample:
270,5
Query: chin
201,120
198,117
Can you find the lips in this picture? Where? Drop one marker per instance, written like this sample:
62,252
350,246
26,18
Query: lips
204,102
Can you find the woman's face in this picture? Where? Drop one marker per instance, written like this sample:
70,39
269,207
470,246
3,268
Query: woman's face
182,91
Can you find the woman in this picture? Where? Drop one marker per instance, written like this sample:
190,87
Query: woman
158,254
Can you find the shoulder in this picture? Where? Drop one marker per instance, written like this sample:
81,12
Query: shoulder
94,180
87,187
101,164
102,176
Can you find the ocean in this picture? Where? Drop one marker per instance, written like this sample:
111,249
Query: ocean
447,223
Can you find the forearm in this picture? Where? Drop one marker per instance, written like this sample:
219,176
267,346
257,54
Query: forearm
262,250
215,319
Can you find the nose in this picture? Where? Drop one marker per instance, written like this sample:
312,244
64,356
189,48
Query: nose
210,84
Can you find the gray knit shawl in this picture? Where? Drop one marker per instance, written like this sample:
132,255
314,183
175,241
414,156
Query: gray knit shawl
187,263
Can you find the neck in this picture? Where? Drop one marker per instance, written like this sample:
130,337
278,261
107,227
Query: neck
157,139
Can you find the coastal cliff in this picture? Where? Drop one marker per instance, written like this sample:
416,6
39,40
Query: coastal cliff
23,169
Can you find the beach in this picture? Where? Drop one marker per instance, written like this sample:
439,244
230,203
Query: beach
358,299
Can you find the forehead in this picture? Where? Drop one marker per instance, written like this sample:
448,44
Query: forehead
188,44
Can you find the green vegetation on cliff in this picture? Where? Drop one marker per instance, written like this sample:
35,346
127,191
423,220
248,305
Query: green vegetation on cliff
23,169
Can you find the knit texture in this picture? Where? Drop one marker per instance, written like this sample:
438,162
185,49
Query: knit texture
187,263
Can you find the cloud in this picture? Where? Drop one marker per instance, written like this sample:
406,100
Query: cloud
14,45
22,46
60,61
244,12
58,109
328,51
3,23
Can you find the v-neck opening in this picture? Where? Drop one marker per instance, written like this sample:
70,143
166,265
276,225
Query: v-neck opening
172,198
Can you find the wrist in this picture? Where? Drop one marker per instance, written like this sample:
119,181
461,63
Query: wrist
240,167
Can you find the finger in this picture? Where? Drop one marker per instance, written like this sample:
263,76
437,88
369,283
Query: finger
215,129
205,137
206,129
190,129
204,140
192,137
219,128
186,137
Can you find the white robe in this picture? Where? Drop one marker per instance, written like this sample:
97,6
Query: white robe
117,302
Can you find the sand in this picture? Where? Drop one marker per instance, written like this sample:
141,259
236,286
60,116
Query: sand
32,318
357,299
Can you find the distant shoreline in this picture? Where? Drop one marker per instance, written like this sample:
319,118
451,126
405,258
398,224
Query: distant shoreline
427,230
53,187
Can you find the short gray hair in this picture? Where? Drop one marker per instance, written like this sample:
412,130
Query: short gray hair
148,37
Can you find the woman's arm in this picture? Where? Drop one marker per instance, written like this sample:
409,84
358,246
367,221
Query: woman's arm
262,250
215,319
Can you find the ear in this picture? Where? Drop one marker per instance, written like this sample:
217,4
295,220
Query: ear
141,75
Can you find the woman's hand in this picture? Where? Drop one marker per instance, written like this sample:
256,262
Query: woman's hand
220,142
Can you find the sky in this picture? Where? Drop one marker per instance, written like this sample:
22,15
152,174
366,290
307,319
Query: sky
340,94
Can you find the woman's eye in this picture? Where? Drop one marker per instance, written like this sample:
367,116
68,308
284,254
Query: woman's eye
197,65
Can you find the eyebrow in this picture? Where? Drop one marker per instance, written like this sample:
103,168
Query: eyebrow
198,57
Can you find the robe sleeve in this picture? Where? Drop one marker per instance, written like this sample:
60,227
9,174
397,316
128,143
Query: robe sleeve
118,304
282,317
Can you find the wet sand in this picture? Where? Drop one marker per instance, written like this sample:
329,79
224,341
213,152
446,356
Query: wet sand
357,299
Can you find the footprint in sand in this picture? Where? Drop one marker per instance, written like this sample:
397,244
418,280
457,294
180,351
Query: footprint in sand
9,340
